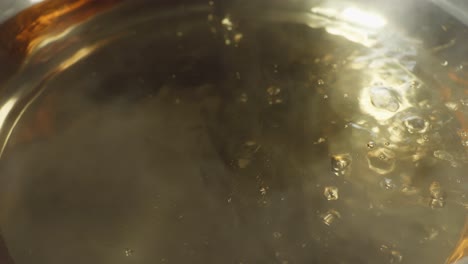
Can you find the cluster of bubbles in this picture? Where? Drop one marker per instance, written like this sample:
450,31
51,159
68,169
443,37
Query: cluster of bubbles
225,26
402,129
340,167
274,95
231,36
401,126
402,120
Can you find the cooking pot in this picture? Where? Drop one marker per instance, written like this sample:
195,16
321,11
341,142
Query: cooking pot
186,131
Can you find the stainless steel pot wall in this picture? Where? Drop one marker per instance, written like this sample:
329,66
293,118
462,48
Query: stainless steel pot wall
296,131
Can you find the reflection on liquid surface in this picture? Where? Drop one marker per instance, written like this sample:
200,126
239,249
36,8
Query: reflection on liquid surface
234,140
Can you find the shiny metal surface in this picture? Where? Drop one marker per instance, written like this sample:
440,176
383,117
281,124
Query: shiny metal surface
232,132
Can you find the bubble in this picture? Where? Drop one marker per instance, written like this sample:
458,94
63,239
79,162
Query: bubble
437,196
435,189
444,63
452,106
381,160
384,248
227,23
464,143
464,102
437,202
371,144
398,132
463,133
387,184
330,217
238,37
384,98
443,155
409,190
277,235
341,164
416,124
414,84
273,90
394,255
274,96
243,98
275,66
423,140
320,141
432,234
246,153
320,82
128,252
250,143
331,193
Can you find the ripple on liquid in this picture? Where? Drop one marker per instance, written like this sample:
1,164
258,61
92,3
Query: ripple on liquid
381,160
416,124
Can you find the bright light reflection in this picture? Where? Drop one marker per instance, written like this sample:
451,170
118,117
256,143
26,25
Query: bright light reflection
363,18
50,39
352,23
35,1
5,111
